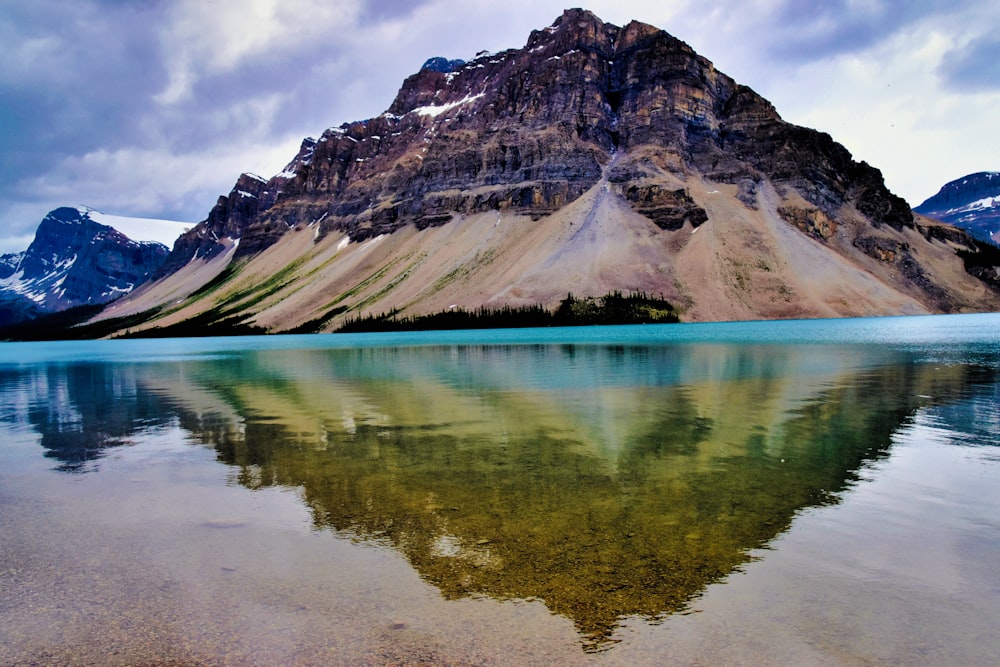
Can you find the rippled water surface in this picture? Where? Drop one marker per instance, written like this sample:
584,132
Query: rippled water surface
816,492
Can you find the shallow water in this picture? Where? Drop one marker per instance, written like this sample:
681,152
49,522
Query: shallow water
815,492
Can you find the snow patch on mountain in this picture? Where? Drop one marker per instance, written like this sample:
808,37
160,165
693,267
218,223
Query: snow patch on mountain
437,110
978,205
143,230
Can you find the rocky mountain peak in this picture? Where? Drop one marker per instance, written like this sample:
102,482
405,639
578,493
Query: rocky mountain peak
575,29
302,159
635,32
442,65
971,202
964,191
73,261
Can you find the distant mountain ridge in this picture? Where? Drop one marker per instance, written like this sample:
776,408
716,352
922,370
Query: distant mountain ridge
971,202
595,159
75,259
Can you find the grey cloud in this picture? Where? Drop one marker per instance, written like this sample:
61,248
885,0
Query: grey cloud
810,30
375,11
74,83
308,85
973,67
76,77
83,76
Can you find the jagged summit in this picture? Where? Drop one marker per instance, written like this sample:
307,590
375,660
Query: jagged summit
585,161
442,65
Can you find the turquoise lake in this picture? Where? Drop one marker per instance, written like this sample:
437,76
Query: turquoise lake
822,492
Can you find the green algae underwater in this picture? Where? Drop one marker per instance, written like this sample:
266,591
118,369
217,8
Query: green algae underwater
602,503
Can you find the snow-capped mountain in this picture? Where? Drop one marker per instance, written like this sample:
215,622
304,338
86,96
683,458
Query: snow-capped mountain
81,256
971,202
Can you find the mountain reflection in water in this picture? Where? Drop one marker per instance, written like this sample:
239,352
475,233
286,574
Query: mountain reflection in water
606,482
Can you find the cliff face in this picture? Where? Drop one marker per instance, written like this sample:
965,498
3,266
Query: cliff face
607,147
73,261
530,130
971,202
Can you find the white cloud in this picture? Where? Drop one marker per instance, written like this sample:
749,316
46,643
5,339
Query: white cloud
147,182
888,106
12,244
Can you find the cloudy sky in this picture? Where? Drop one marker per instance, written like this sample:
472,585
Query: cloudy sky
154,107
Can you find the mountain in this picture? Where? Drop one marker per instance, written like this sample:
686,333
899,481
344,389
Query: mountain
80,256
971,202
596,158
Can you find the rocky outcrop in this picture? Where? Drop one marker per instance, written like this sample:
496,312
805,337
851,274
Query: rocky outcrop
971,202
669,209
228,219
812,221
73,261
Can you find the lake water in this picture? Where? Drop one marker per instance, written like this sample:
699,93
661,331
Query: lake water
814,492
